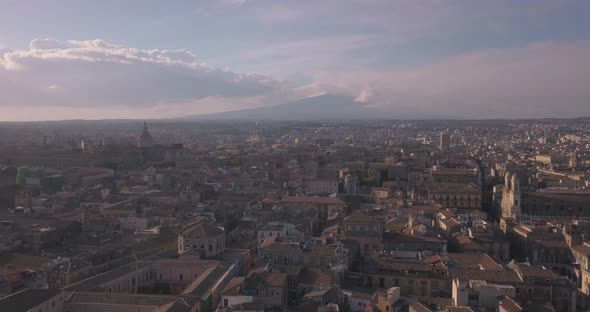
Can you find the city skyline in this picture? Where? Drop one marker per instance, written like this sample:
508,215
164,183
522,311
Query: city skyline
109,60
295,155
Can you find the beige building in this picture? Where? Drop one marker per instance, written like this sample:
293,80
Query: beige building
321,186
511,196
268,288
205,240
456,195
454,175
282,251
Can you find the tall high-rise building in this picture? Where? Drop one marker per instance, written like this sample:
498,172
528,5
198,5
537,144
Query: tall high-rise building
445,141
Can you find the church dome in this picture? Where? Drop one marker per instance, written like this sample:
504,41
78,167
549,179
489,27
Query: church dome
145,138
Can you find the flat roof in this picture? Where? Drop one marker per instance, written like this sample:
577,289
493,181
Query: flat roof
26,299
123,299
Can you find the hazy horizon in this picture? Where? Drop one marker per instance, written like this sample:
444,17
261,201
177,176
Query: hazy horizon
157,60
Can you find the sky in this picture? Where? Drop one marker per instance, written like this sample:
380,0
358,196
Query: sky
81,59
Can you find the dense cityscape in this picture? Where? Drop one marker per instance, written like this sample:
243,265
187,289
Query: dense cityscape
184,215
295,156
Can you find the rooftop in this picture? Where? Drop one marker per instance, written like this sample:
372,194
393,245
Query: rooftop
26,299
265,279
315,200
453,187
361,218
205,282
121,298
201,229
314,276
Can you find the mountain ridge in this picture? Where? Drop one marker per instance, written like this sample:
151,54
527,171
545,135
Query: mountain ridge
321,107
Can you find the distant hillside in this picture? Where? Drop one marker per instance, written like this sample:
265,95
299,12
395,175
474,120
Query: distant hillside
323,107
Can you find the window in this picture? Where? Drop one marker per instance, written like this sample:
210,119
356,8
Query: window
225,302
530,291
181,277
434,284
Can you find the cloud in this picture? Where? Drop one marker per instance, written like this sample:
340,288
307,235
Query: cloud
53,87
96,73
537,80
46,44
364,96
306,54
98,79
235,3
336,33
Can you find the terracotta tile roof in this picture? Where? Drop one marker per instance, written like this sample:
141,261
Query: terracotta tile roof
24,261
453,187
475,261
447,213
202,230
459,309
120,298
314,276
233,286
450,223
272,227
360,218
502,277
418,307
509,305
407,236
535,271
269,279
200,287
582,249
317,293
313,200
466,242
